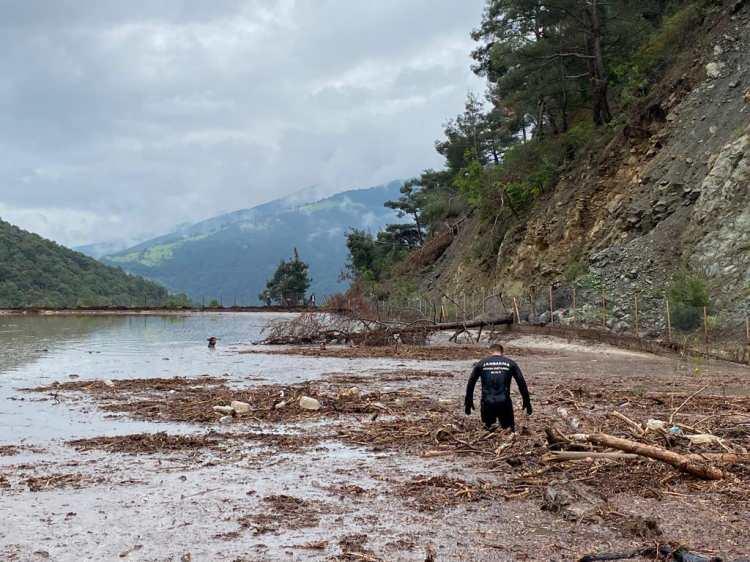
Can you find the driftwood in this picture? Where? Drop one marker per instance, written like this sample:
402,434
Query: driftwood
659,552
684,463
561,456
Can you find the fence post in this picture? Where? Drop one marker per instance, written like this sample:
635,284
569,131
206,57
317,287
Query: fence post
636,316
531,304
551,308
705,324
515,307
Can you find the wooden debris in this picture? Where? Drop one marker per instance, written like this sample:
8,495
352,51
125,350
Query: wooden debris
681,462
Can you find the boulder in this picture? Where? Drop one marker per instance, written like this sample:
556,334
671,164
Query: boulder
227,410
307,403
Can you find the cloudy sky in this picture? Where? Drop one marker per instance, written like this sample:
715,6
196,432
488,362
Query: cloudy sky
119,119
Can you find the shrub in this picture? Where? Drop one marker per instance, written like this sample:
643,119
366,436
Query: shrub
688,295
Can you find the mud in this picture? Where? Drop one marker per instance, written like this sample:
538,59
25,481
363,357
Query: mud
389,468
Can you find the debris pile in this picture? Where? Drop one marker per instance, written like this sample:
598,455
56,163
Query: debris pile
316,328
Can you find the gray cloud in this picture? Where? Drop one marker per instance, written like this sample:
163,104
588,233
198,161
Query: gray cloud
121,119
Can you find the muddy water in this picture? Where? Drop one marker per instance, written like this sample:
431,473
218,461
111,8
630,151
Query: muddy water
37,350
218,504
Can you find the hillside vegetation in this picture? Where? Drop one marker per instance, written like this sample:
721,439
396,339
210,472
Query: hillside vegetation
611,150
35,272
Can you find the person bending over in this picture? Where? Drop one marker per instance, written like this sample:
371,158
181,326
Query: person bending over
496,373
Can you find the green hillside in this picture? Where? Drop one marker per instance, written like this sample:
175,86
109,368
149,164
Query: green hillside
35,272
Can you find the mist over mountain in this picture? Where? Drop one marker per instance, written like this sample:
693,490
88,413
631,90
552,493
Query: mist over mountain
230,257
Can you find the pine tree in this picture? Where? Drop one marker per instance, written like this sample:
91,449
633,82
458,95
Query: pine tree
289,283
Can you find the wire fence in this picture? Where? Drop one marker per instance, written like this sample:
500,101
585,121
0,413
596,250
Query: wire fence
710,328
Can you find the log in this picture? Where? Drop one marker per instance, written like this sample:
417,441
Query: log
561,456
463,326
659,552
681,462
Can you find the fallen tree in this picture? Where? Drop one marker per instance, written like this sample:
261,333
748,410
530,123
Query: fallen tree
688,464
312,328
659,552
563,456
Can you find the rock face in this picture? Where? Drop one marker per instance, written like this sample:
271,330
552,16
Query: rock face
721,216
671,189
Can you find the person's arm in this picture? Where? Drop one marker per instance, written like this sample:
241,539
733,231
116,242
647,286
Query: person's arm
518,375
469,400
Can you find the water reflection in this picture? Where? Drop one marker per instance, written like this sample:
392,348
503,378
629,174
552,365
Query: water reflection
37,350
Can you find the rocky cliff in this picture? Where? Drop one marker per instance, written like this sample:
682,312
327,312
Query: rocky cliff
670,190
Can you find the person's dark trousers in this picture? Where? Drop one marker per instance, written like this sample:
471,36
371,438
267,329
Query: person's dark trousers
498,411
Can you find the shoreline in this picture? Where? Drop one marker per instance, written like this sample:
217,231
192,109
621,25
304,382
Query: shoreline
367,476
147,311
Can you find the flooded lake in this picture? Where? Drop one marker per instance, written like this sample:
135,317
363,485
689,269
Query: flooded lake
38,350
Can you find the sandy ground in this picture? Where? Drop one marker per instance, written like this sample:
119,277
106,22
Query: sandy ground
390,471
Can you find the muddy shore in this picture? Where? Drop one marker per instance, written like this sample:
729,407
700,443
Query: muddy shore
389,467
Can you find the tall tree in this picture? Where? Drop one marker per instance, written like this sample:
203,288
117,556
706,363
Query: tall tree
289,283
410,204
550,57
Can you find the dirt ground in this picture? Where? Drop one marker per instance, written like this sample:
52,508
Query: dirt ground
389,467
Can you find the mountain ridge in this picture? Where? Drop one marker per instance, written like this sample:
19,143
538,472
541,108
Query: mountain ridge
229,257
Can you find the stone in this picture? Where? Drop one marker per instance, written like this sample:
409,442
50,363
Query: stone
224,410
713,70
225,419
621,327
307,403
109,383
240,407
718,50
655,425
352,392
734,83
280,405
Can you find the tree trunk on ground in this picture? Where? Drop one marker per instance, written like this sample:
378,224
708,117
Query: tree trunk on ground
681,462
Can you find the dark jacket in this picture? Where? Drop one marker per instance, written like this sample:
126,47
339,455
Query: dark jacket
496,373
